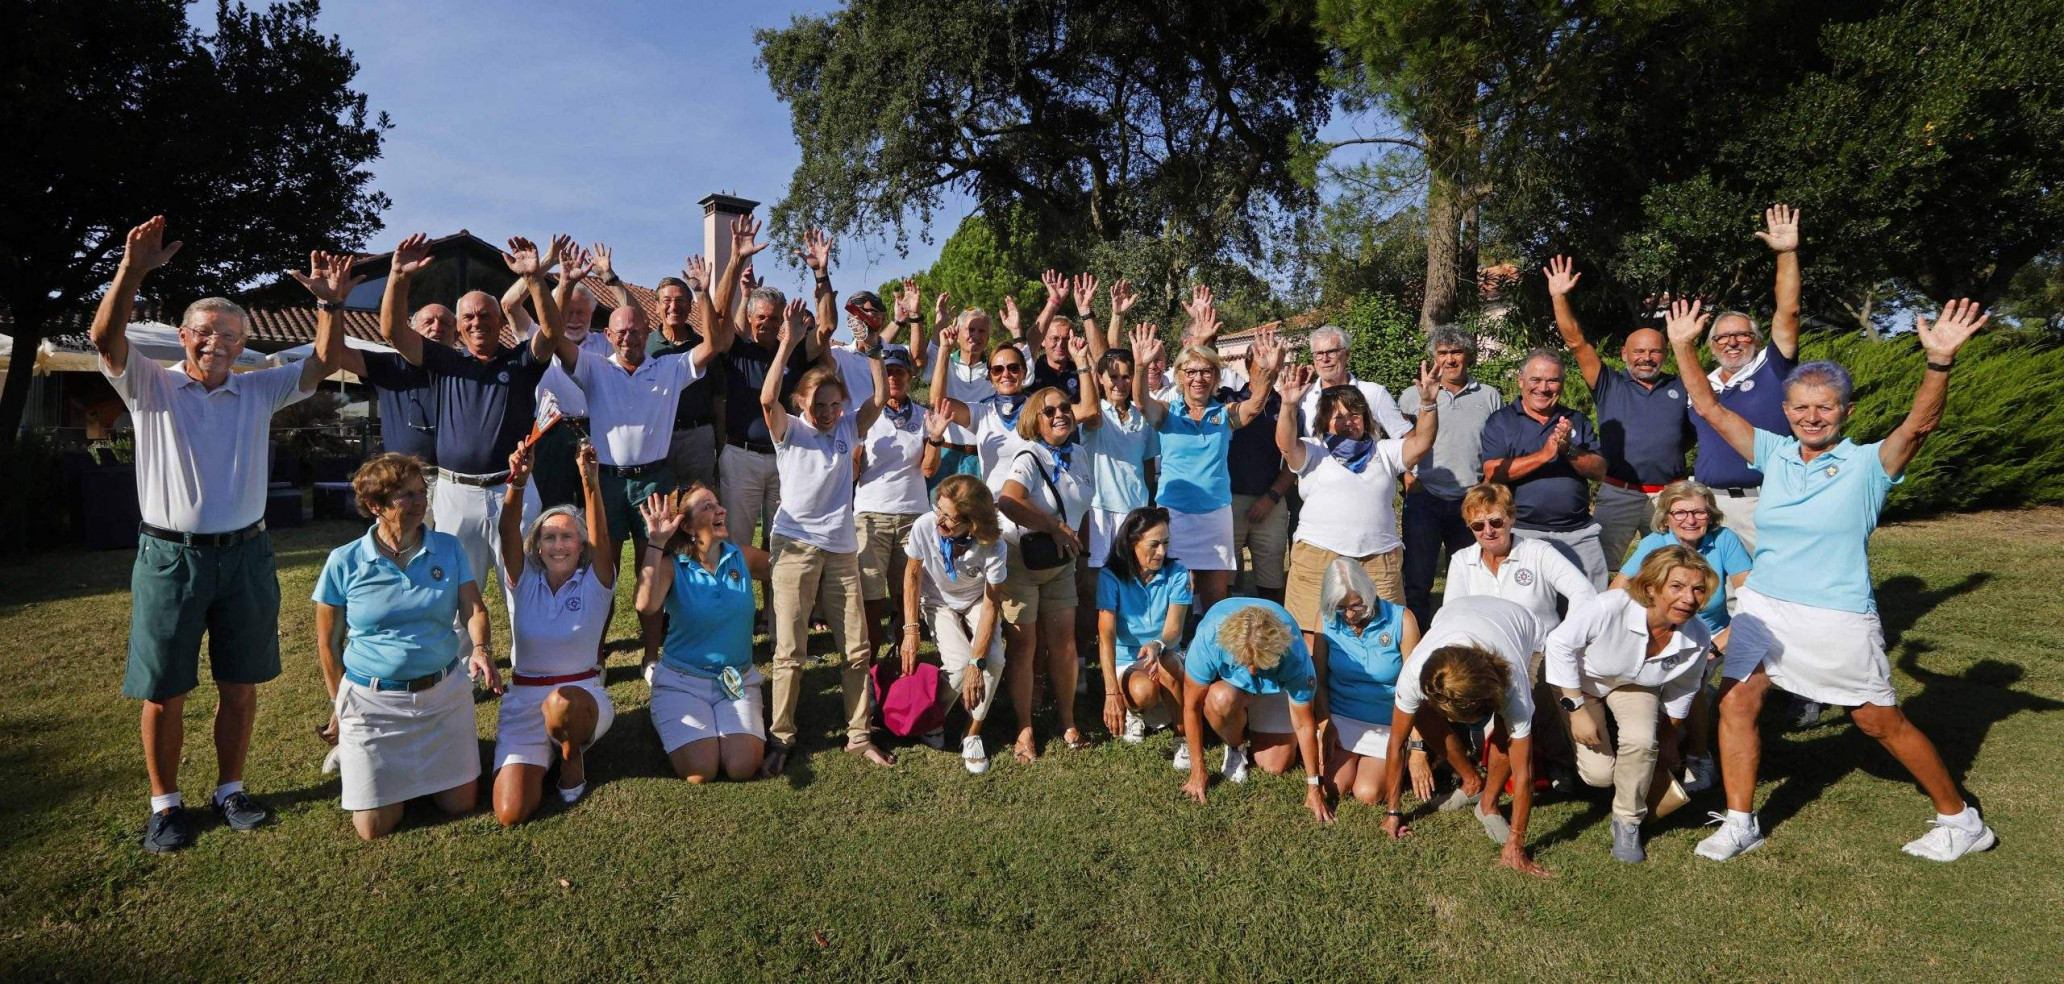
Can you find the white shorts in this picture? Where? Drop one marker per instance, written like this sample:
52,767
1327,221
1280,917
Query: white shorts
1834,657
1202,541
1103,528
520,737
687,708
393,745
1361,737
1270,714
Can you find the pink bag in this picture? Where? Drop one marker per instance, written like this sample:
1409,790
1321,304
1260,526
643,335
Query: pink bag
909,705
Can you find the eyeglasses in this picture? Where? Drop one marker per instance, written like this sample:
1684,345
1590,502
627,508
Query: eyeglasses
1488,522
1735,336
1197,370
1333,353
210,334
1686,515
1001,368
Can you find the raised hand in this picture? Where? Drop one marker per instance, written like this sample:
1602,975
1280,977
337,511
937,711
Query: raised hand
697,273
816,251
745,229
792,318
1204,323
519,463
907,300
1200,301
414,254
329,276
1146,345
1685,324
747,281
562,245
576,263
521,258
1013,322
935,424
1084,288
1429,385
662,521
1122,297
590,464
1949,331
602,266
1295,381
941,312
1056,288
145,248
1562,276
1781,224
1269,351
1078,349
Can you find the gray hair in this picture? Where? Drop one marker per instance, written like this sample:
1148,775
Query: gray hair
1680,490
1344,577
1754,329
1533,355
537,526
1450,336
1335,331
768,294
213,305
1828,374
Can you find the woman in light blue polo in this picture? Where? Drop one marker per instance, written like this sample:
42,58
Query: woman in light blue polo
1196,433
1358,654
1807,621
387,609
1142,600
708,702
1249,677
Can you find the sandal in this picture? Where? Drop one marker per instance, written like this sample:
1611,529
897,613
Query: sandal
1026,751
1078,743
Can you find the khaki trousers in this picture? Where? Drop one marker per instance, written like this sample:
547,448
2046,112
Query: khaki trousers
1630,768
805,576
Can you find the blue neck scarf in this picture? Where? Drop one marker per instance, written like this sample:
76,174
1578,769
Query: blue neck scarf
1352,453
1008,407
947,545
900,419
1063,456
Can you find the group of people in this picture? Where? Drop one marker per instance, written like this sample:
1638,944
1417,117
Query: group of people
1075,493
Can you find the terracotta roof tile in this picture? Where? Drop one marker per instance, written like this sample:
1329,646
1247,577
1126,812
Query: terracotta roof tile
273,329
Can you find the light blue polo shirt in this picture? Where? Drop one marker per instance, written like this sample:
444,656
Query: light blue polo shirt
1720,547
1141,609
1814,521
400,623
1362,668
710,615
1195,477
1118,453
1206,663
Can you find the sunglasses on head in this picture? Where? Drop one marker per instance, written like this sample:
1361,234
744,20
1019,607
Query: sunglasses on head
1488,522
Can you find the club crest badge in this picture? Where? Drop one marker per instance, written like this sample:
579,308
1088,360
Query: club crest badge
838,446
1747,385
1831,470
1523,577
1673,394
437,573
573,604
1384,640
503,377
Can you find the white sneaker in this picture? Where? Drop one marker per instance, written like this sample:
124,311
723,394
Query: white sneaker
1949,841
1699,773
1135,729
1182,755
571,796
1731,840
973,755
1234,767
329,762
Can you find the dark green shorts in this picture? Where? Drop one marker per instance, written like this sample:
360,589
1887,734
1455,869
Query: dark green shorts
177,593
621,498
555,467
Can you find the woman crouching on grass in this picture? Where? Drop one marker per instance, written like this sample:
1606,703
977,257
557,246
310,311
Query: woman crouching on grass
560,589
387,609
953,577
708,702
1358,653
1250,676
1143,602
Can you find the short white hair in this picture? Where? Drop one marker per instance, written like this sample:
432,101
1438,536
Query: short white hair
1346,337
213,305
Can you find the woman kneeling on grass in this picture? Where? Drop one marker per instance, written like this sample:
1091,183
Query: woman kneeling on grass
1471,665
387,609
708,701
1250,676
560,589
1143,600
1637,653
955,569
1358,654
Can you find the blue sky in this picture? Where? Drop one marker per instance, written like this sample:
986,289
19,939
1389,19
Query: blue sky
606,121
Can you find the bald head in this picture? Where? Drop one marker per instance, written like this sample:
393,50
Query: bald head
628,330
480,323
1643,353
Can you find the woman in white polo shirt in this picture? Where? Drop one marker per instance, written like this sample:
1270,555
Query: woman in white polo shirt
953,577
560,586
891,494
992,419
1043,492
1636,654
1526,571
1349,479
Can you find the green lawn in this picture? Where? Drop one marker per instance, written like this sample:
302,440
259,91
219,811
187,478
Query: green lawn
1086,866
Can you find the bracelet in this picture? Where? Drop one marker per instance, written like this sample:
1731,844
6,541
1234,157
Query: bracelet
1312,780
1940,366
912,625
322,305
1400,814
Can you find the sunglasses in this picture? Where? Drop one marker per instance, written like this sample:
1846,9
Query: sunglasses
1000,368
1058,410
1490,522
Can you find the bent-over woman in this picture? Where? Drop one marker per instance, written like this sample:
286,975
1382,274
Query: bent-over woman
1250,677
953,577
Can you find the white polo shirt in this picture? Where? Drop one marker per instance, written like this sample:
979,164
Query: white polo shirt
859,376
995,436
1493,624
1389,419
974,568
558,393
816,470
1075,482
1604,644
968,383
892,478
1533,575
1348,513
554,633
631,411
202,456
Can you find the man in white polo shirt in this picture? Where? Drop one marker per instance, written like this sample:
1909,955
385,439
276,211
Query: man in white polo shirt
1331,347
203,560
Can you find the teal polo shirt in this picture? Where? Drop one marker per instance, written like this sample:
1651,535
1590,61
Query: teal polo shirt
1814,521
400,623
1141,610
710,615
1195,477
1206,663
1362,667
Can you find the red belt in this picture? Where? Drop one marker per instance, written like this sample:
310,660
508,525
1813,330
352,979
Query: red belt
552,681
1630,486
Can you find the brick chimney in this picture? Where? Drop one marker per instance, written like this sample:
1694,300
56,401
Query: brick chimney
717,212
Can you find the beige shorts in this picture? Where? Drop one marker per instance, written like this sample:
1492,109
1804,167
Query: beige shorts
1308,572
1267,542
882,536
1028,593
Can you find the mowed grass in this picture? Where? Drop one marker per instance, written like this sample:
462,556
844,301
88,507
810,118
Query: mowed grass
1085,866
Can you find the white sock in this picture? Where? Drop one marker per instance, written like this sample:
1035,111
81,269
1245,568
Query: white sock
1966,820
222,792
158,804
1742,818
574,794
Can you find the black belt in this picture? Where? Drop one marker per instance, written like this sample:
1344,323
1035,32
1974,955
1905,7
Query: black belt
753,446
203,539
1741,491
635,471
487,481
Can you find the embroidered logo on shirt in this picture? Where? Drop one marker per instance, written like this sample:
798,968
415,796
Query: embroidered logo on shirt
504,377
1672,394
838,446
573,604
1831,471
437,573
734,577
1383,640
1522,577
1747,385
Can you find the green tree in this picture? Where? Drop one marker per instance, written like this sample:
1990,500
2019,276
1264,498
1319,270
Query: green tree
975,270
250,140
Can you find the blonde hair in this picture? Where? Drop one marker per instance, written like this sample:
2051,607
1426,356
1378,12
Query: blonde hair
1656,568
1028,423
1487,497
817,378
1201,354
1678,491
975,504
1254,637
376,482
1465,683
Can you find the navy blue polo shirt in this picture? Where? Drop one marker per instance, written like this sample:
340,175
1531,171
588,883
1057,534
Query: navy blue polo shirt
484,408
746,366
408,405
1554,497
698,404
1044,375
1642,432
1253,457
1757,393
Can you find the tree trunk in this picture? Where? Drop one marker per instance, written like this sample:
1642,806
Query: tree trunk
1469,295
14,393
1444,209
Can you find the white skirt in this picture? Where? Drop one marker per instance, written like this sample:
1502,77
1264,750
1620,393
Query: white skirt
1103,528
687,708
1822,654
520,737
393,746
1361,737
1202,541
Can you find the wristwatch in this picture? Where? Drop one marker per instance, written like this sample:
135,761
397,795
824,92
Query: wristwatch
1275,496
1572,704
329,305
981,664
1311,780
